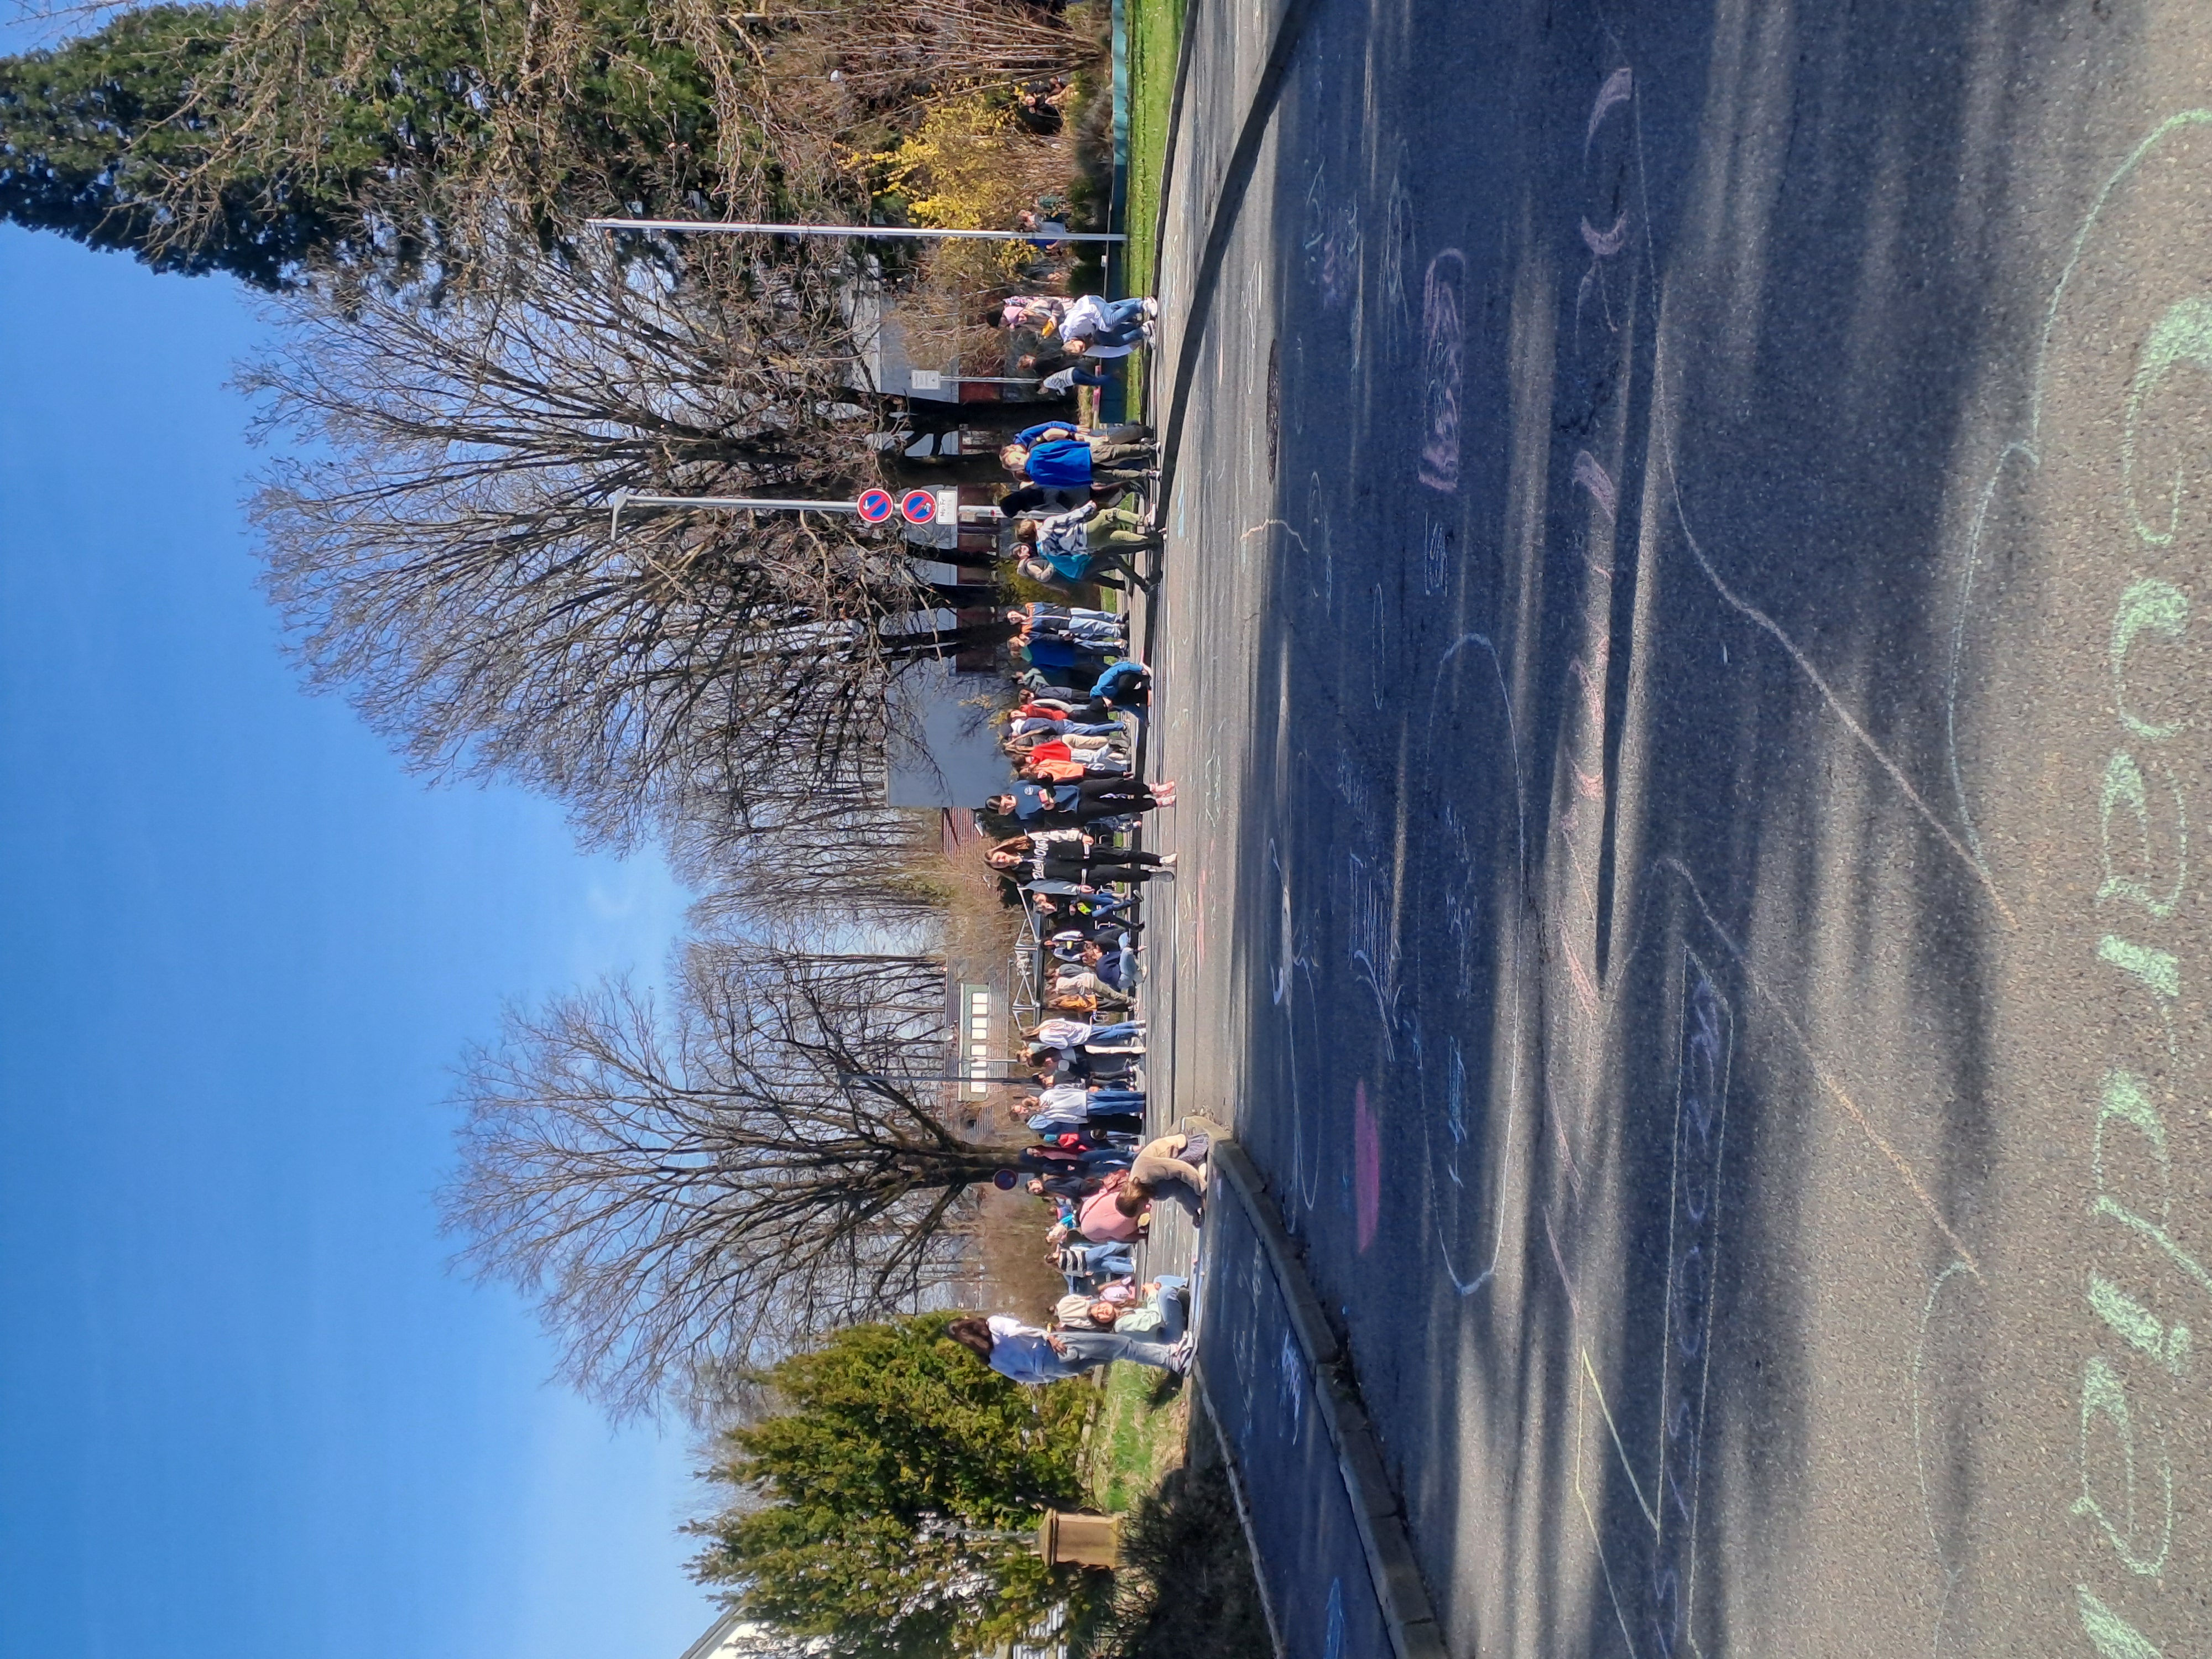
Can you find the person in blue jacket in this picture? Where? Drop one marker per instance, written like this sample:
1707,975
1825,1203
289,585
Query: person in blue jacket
1058,805
1060,458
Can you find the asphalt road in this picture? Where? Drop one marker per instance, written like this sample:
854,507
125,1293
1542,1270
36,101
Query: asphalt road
1683,646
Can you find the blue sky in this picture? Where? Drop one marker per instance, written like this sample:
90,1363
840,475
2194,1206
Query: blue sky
244,1409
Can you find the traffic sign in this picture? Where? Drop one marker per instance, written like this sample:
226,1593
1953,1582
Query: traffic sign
919,505
875,506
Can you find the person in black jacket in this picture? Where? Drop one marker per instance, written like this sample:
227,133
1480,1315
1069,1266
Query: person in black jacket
1069,855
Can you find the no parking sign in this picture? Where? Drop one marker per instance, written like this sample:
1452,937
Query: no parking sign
875,506
919,505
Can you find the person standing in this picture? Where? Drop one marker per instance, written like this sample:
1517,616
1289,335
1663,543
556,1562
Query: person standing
1059,458
1058,805
1069,855
1027,1354
1108,328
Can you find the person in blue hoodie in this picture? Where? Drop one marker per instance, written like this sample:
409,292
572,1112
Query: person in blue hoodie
1059,457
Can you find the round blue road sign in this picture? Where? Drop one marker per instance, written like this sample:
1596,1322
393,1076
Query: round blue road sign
920,506
875,506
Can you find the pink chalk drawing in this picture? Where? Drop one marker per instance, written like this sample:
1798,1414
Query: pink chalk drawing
1604,244
1443,335
1366,1167
1592,476
1615,91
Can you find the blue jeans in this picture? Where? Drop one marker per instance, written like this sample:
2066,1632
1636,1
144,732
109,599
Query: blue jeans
1175,1307
1105,1100
1086,1349
1111,1260
1093,633
1118,970
1125,1032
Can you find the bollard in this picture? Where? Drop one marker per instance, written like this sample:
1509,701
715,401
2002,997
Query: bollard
1081,1540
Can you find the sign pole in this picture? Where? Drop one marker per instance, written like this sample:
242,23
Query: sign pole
622,498
731,227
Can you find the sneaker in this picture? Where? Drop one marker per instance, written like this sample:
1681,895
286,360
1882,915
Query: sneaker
1151,307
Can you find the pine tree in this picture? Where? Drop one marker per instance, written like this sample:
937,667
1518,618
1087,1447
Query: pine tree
891,1489
257,138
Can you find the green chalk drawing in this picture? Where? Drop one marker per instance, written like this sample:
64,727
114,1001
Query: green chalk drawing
2125,786
2110,1635
2125,1102
2183,336
2104,1396
2156,969
2164,609
2138,1326
2112,1209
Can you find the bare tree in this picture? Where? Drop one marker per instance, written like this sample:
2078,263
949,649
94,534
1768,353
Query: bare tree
816,854
690,1190
446,556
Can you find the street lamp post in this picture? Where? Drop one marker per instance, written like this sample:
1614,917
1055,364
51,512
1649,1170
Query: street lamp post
909,233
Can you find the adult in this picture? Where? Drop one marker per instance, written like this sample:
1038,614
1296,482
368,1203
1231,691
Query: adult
1057,761
1060,804
1080,1034
1023,723
1172,1159
1117,968
1073,1188
1108,328
1051,1160
1065,654
1076,543
1029,500
1073,706
1028,1355
1031,567
1069,855
1059,457
1101,629
1092,910
1079,991
1116,1212
1071,1105
1128,683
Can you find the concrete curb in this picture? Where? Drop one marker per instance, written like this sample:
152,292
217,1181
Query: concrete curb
1244,1517
1406,1611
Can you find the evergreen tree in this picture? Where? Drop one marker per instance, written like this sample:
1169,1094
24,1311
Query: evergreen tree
890,1491
255,138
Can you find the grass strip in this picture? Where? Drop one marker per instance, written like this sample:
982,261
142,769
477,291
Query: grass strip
1155,28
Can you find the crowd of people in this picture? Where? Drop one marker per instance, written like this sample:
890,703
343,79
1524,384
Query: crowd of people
1102,1195
1071,741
